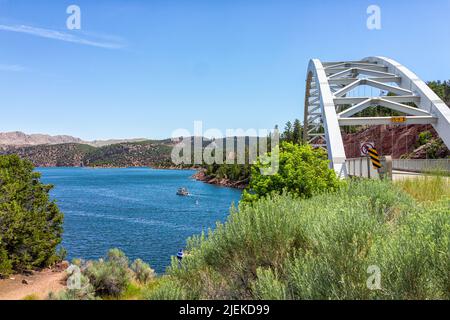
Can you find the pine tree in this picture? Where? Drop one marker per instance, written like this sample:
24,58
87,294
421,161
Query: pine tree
297,132
287,134
30,223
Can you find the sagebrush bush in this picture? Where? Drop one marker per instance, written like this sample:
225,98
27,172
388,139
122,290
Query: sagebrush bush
322,248
30,223
416,258
166,289
267,286
142,271
85,292
109,277
117,257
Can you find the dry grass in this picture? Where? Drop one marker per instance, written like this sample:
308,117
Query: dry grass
427,188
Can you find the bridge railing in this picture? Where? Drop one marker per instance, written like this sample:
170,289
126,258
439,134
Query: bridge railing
361,167
421,165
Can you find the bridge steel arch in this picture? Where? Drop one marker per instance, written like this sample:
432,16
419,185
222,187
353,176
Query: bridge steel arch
328,105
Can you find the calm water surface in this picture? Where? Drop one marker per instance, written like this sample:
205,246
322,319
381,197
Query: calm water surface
134,209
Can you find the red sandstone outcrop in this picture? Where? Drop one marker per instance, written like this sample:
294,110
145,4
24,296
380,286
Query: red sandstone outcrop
389,140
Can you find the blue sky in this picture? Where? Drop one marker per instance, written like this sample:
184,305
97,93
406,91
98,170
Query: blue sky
146,68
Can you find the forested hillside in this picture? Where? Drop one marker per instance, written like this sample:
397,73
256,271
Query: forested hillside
145,153
442,89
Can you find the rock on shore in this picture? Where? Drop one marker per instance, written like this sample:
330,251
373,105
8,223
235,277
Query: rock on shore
201,176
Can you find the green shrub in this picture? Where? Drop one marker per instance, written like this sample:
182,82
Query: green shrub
302,171
109,277
85,292
267,286
142,271
433,148
117,257
424,138
132,292
415,260
30,224
5,262
166,289
333,266
31,297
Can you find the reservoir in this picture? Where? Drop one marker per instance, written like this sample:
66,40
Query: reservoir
134,209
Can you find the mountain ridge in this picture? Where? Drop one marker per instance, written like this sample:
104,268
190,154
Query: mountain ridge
19,138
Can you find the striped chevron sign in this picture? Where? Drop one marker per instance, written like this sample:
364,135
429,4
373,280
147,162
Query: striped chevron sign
375,158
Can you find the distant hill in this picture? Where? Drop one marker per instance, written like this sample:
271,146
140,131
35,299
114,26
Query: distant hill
18,138
128,154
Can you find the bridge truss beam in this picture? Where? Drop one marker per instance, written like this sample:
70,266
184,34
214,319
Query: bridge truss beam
330,105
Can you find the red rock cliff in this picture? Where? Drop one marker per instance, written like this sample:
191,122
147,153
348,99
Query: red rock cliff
389,140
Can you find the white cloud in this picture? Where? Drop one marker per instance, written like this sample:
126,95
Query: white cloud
11,67
62,36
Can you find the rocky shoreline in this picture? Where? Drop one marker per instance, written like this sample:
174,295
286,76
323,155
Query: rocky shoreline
201,176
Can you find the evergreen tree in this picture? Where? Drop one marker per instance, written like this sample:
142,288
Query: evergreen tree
297,132
30,223
287,134
442,89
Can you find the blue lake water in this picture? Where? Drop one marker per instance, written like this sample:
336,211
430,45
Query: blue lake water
135,209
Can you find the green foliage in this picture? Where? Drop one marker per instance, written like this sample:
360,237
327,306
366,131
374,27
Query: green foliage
303,171
142,271
431,187
233,172
416,258
293,133
287,134
424,138
132,292
433,148
143,153
30,224
267,286
297,132
109,277
283,247
442,89
166,289
31,297
85,292
5,263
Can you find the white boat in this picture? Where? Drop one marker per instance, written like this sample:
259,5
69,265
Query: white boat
182,192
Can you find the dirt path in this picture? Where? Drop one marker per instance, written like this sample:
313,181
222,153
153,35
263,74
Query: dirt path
40,284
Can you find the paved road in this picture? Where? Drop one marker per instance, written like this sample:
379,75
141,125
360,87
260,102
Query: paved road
401,175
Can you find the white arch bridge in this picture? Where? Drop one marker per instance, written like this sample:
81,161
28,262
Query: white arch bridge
333,99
